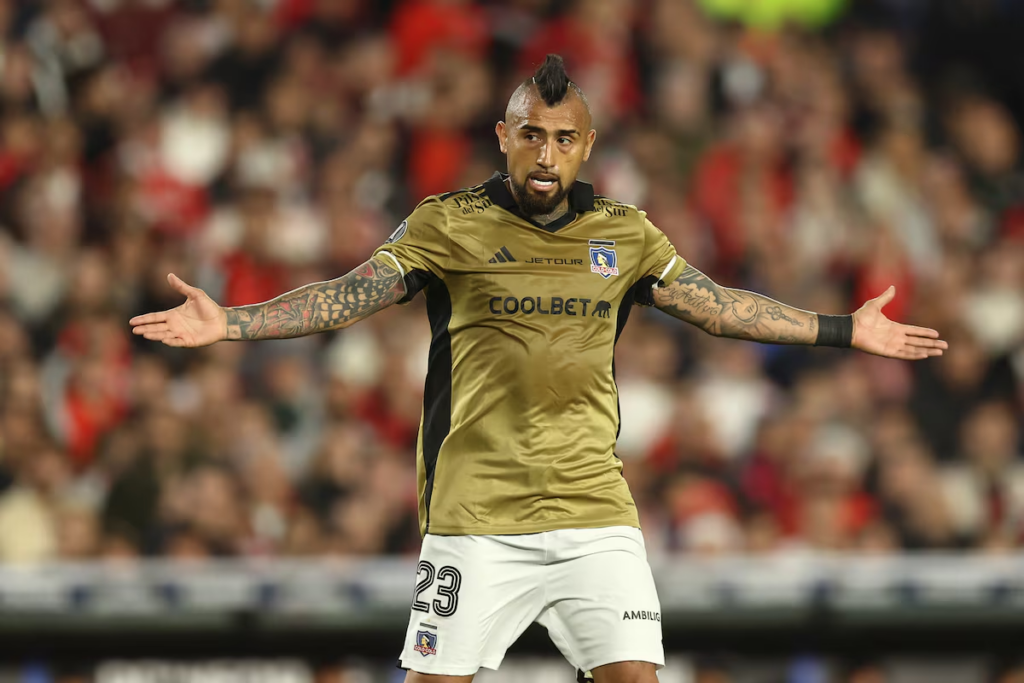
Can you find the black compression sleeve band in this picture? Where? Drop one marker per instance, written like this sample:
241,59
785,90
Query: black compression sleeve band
835,330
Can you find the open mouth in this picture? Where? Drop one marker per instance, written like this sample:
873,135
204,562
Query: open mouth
543,183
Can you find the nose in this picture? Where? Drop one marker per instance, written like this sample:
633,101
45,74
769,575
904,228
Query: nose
545,157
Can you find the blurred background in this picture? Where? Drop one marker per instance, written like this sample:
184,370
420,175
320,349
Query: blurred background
259,499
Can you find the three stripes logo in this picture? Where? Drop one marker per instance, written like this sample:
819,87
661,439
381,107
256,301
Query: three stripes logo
503,255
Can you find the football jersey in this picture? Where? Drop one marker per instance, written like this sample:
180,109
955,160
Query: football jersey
520,408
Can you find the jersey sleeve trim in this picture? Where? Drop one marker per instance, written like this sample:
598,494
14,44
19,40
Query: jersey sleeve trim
661,277
397,264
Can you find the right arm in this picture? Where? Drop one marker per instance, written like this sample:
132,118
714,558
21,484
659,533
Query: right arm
320,306
313,308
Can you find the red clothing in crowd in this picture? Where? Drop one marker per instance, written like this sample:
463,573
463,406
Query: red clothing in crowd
875,276
436,160
372,408
11,168
133,31
1012,225
95,399
844,153
421,26
89,418
768,487
717,185
174,206
247,281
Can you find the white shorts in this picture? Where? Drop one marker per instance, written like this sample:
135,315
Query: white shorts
591,588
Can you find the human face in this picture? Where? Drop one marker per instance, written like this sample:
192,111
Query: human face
545,147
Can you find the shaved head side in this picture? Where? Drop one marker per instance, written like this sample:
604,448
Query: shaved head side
550,83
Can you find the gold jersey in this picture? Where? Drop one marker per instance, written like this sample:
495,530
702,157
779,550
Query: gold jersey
520,409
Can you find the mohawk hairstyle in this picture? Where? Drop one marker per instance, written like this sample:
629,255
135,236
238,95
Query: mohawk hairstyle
553,82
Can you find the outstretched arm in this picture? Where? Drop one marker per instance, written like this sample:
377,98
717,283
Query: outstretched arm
320,306
313,308
736,313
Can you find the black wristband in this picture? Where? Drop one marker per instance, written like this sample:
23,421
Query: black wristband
835,330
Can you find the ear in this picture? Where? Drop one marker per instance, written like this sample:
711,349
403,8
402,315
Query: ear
502,133
591,136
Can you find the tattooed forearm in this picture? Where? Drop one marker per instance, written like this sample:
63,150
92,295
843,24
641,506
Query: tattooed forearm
777,313
319,306
736,313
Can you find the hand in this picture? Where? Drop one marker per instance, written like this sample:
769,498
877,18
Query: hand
874,333
197,322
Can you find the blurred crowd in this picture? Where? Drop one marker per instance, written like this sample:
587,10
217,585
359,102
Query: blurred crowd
254,146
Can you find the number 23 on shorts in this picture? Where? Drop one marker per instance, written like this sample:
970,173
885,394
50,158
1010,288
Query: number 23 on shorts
449,580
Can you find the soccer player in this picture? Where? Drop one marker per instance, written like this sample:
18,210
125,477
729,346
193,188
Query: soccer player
529,279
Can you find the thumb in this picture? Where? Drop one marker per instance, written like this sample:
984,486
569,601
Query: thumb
885,297
180,286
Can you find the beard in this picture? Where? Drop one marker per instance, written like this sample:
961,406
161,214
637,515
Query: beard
535,204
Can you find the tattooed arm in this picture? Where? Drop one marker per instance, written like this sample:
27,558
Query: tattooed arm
739,314
735,313
320,306
316,307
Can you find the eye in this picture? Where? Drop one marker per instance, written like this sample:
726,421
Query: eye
564,141
531,137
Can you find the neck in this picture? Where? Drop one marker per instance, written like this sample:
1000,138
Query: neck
560,211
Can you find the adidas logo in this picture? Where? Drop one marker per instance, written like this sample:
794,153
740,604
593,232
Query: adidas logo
503,255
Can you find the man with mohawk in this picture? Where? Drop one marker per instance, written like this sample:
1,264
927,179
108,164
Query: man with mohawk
529,278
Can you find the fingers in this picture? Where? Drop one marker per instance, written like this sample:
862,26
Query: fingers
149,318
159,332
920,331
179,285
156,335
885,297
152,328
916,353
925,343
166,337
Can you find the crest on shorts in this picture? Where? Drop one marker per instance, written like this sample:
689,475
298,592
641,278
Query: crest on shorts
426,643
603,260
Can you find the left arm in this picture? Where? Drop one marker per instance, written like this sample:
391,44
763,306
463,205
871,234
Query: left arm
739,314
725,312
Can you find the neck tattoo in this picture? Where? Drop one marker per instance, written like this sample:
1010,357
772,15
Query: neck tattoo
553,216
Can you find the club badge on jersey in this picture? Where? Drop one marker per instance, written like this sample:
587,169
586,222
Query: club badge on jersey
426,643
603,260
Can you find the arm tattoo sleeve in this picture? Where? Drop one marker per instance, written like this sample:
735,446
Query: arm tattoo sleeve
735,313
319,306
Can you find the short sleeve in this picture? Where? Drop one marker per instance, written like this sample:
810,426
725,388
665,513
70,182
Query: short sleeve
419,247
659,259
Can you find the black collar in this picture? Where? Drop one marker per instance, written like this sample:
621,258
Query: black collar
581,198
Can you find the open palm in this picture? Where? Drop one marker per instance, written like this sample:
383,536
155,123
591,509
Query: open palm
876,334
197,322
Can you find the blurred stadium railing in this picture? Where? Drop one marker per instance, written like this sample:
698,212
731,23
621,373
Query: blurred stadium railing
824,603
